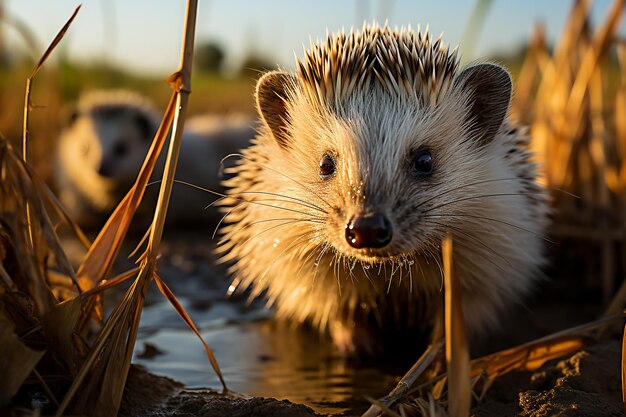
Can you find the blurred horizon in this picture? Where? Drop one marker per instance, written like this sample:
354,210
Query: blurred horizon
143,37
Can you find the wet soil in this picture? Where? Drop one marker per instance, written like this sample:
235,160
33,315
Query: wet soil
287,371
586,383
150,395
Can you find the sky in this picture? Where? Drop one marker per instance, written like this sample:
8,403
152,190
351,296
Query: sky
145,35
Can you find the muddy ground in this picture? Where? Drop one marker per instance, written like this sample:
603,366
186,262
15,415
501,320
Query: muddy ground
586,383
310,378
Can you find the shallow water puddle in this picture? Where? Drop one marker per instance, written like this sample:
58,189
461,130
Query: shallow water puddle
263,359
257,356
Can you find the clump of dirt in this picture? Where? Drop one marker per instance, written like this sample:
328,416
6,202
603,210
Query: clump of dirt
207,404
588,383
149,395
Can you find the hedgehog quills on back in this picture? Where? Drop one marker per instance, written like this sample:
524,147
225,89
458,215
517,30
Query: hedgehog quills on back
374,149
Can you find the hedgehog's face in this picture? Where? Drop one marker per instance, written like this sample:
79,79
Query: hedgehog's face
385,173
113,145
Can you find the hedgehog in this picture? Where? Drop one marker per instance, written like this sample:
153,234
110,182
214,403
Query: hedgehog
373,150
106,141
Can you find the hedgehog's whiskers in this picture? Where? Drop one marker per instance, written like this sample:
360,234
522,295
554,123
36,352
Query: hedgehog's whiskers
471,184
264,166
473,216
458,231
472,197
222,196
295,242
274,227
260,203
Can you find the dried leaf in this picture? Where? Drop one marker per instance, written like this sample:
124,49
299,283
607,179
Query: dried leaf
527,357
19,360
102,376
58,325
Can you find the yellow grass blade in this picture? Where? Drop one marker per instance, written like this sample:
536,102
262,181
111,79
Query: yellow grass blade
183,314
620,115
457,351
590,61
572,32
574,119
533,65
108,283
42,60
55,42
109,358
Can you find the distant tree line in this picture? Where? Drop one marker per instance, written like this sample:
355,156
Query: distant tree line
209,57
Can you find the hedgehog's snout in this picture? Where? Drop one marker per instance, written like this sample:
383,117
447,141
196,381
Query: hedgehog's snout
369,231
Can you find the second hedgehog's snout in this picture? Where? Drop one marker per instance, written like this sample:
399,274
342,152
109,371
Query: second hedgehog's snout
369,231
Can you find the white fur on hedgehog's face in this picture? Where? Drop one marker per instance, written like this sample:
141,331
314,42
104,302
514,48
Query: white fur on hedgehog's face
380,166
386,174
112,147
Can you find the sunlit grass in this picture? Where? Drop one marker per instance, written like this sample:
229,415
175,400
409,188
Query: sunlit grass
57,311
573,98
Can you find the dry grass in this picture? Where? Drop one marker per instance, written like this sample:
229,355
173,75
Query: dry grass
578,124
52,323
51,320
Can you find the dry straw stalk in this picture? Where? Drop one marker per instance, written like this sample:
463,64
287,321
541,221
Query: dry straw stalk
29,246
457,349
109,360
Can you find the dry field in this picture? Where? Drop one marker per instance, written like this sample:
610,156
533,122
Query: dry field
56,337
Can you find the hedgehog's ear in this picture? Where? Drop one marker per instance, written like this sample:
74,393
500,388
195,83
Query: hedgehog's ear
271,96
490,93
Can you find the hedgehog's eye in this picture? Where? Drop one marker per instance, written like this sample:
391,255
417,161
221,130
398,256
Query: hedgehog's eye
423,163
327,166
119,149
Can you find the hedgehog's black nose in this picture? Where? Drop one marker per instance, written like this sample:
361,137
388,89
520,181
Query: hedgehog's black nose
369,231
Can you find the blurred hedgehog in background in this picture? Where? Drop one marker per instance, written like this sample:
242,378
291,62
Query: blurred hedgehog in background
106,139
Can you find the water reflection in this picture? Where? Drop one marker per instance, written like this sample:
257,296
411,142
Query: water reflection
264,358
257,355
